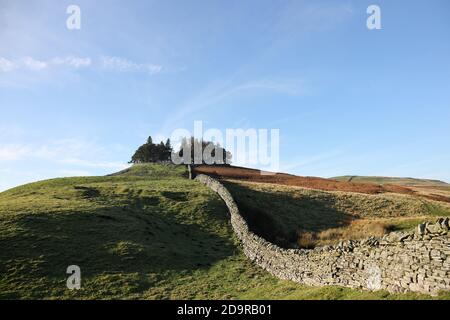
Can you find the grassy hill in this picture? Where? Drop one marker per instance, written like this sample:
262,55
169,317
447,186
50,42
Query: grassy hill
145,233
393,180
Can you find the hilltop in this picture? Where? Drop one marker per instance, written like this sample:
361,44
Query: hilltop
144,233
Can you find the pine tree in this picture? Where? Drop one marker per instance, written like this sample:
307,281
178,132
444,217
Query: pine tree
150,152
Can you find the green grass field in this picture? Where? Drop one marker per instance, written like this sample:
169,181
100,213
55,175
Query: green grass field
146,233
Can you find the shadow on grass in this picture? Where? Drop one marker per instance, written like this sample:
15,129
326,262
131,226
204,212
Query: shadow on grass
280,218
130,239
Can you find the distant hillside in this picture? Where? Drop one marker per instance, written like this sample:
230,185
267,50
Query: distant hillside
336,184
393,180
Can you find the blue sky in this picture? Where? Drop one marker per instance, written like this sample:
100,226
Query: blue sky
347,100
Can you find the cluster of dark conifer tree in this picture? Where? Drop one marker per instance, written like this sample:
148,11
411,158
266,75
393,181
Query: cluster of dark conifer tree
211,153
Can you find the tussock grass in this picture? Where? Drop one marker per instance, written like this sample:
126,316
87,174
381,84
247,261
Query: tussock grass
356,230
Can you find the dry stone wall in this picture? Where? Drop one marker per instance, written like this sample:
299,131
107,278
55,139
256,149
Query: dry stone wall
399,262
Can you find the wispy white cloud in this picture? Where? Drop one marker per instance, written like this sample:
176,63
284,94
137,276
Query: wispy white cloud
117,64
33,64
94,164
10,178
72,61
310,161
12,152
215,94
69,152
26,162
6,65
295,87
126,65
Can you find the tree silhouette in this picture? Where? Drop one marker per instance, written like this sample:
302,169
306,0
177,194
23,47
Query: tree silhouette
201,152
150,152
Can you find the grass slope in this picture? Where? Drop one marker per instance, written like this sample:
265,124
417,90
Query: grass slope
146,233
393,180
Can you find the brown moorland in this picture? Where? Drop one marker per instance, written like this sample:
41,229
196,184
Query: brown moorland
254,175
